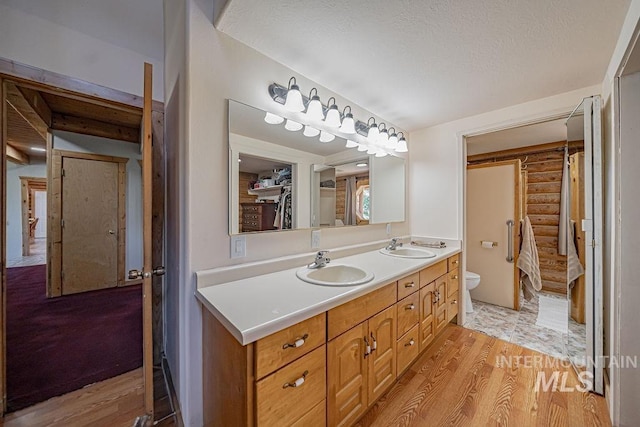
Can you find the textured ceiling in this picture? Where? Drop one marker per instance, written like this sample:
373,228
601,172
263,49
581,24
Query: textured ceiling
419,63
134,25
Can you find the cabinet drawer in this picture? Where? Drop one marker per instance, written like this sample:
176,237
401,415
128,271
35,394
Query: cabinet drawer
316,417
251,217
280,348
453,283
431,273
453,262
278,403
346,316
408,285
408,313
246,209
452,308
408,349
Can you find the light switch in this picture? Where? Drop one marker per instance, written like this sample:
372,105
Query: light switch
315,239
238,246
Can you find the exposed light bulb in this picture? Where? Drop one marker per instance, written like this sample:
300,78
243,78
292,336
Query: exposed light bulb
273,119
292,126
351,144
373,133
383,138
393,141
326,136
310,131
293,100
348,124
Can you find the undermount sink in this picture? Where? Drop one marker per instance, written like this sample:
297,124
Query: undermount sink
335,275
408,252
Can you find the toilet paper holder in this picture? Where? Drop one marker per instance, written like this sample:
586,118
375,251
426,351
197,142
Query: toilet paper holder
485,244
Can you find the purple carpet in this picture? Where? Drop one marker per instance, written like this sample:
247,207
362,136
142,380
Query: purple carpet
57,345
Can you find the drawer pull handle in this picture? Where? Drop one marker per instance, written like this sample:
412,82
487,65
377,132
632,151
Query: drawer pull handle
455,277
409,285
410,343
297,343
455,262
298,382
374,343
367,347
410,307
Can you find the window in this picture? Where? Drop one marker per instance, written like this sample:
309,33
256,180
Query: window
363,202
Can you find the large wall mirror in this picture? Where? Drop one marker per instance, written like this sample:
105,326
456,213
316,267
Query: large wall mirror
282,180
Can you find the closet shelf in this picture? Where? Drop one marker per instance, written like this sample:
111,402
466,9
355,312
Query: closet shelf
272,190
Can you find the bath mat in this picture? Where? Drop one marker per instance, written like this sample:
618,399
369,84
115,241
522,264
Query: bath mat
553,313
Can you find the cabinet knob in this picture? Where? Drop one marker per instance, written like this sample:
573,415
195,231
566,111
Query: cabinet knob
410,343
297,343
455,301
455,277
410,307
409,285
455,262
298,382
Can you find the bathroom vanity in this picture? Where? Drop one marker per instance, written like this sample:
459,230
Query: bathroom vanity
280,351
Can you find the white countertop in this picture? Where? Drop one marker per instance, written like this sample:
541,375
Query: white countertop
258,306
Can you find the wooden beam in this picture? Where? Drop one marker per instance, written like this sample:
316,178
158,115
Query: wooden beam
69,85
20,104
37,103
531,149
17,156
68,123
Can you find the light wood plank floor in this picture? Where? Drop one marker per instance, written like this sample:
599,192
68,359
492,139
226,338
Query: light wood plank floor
114,402
462,380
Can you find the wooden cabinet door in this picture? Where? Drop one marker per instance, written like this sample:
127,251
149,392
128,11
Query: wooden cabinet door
382,360
347,376
427,315
441,303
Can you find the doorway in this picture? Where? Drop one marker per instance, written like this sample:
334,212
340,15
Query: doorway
59,116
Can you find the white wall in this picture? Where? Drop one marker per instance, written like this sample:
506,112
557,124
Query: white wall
14,204
437,164
35,41
92,144
219,68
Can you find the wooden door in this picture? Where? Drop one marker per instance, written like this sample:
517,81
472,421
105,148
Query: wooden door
440,307
427,310
492,199
147,236
347,376
382,361
91,205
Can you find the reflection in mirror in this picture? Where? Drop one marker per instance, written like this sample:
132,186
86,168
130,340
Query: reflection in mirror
341,194
273,184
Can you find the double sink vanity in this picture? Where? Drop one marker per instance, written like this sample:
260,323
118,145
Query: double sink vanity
318,345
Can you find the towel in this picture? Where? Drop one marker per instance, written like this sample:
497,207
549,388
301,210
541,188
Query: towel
528,262
574,268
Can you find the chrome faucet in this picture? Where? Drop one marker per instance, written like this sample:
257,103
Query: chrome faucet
320,261
393,245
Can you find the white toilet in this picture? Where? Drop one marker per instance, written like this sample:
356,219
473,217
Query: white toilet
472,280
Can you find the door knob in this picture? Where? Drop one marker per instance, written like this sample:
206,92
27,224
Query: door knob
137,274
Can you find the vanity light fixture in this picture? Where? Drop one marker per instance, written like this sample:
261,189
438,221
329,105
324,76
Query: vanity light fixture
293,100
310,131
314,109
333,115
292,126
273,119
326,136
39,149
402,144
348,124
373,138
351,144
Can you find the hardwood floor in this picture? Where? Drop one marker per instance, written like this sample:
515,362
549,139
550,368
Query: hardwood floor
463,379
113,403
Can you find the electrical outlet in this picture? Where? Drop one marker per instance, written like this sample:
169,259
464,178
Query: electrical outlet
315,239
389,229
238,246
